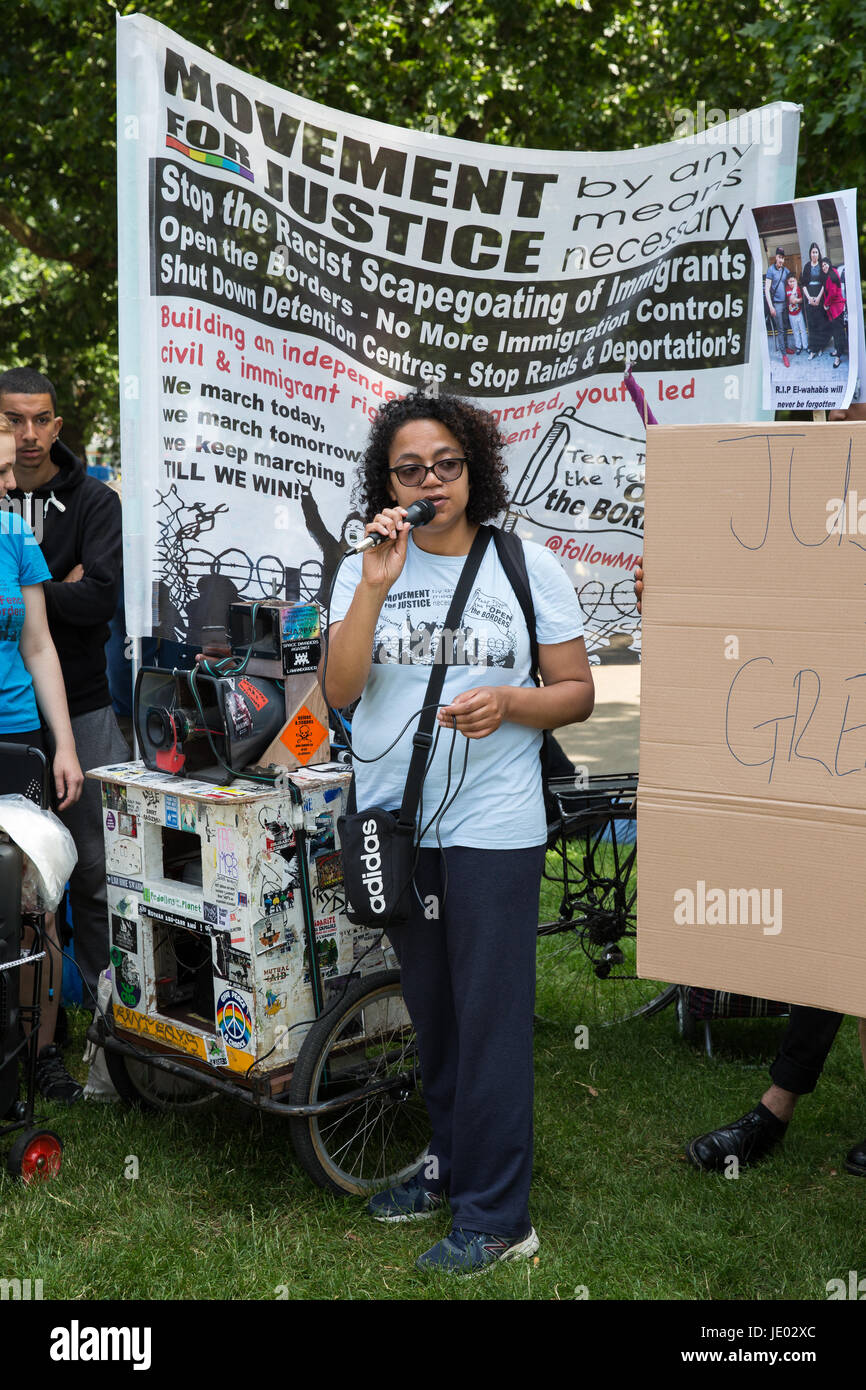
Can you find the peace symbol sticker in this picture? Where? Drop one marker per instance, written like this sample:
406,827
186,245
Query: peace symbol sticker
233,1018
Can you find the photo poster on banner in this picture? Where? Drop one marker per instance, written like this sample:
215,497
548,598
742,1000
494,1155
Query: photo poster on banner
809,312
285,268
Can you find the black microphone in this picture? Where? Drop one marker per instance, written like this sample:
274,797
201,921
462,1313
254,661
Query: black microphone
418,514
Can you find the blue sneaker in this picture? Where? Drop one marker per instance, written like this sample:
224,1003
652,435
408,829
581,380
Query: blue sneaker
473,1252
410,1201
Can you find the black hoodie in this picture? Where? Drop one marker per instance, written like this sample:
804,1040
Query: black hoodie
76,520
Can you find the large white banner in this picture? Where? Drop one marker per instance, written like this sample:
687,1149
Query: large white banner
284,268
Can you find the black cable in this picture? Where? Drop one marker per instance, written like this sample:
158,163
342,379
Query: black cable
437,814
220,671
447,808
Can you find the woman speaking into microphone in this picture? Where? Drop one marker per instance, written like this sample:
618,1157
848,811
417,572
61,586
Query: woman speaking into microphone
467,952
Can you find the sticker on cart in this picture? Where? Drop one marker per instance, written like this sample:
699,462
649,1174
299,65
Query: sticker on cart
303,735
127,980
275,974
279,877
172,919
187,815
113,796
230,965
326,950
274,1002
220,916
110,820
216,1052
299,623
151,806
278,835
123,857
322,835
126,825
367,950
124,933
221,945
172,813
225,893
329,869
227,854
271,933
172,901
118,881
301,656
239,970
168,1033
233,1019
329,894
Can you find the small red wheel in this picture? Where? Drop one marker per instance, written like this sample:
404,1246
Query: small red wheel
35,1154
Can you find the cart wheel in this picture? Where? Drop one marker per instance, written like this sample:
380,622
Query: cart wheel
687,1025
35,1154
148,1088
366,1037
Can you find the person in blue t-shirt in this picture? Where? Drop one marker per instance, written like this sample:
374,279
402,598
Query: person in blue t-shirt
467,953
30,681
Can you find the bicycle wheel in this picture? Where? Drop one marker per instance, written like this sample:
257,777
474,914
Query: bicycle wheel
365,1040
587,965
148,1088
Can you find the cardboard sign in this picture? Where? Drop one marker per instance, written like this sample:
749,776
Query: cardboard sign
752,797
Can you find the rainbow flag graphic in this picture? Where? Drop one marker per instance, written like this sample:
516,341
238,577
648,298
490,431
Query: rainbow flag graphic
205,157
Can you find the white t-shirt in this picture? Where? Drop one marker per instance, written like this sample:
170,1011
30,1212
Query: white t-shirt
499,805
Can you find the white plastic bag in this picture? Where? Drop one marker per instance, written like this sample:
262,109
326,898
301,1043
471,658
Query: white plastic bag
99,1084
49,851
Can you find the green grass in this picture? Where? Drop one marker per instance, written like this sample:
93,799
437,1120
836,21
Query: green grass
221,1210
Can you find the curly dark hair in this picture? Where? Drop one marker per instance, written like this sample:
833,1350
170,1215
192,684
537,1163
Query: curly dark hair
476,432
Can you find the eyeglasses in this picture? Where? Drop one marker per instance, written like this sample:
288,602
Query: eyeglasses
415,474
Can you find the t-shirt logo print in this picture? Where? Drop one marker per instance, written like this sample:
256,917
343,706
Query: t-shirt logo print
487,640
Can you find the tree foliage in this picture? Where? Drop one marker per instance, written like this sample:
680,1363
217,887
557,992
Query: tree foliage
551,74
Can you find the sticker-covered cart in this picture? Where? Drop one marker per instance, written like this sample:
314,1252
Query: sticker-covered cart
235,970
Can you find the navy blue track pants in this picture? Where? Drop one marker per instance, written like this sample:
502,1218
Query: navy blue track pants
467,957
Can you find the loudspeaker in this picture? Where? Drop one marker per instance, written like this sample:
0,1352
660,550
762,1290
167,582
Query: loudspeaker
212,737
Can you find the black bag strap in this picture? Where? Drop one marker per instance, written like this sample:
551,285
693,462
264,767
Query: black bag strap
423,736
512,557
509,548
